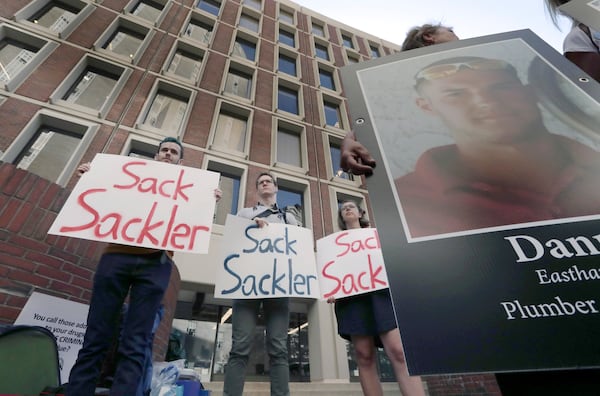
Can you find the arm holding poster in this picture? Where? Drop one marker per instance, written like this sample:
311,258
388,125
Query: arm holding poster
367,319
145,210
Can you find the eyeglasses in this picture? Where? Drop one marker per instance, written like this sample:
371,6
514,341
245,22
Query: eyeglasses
440,71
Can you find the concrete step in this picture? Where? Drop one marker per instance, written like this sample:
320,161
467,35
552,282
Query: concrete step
305,389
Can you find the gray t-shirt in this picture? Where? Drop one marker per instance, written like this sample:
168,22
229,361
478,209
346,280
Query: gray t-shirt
276,215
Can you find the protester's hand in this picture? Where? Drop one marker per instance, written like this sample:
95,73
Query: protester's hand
261,222
218,194
355,157
81,169
331,300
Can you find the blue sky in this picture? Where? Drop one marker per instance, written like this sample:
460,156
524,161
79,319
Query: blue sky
391,19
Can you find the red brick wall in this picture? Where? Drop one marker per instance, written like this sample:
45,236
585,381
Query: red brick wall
31,260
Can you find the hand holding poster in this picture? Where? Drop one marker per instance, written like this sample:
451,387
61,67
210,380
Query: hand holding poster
274,261
133,201
350,262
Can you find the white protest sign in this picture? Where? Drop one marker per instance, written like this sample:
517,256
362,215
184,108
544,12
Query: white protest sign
133,201
64,318
350,263
277,260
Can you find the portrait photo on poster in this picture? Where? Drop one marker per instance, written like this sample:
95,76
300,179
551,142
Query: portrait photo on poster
483,136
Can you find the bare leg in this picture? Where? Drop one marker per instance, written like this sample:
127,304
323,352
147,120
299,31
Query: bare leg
364,347
409,386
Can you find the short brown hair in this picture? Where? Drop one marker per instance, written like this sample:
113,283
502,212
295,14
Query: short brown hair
415,36
265,174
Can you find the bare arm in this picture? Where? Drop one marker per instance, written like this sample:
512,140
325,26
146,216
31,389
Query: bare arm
355,157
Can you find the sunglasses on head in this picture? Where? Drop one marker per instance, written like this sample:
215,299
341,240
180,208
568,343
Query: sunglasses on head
447,69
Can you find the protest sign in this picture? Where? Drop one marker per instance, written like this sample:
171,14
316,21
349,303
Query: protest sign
350,263
133,201
277,260
64,318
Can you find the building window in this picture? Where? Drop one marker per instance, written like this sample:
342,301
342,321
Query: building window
60,17
139,149
48,152
249,22
321,51
287,38
125,39
199,30
230,184
55,16
289,145
332,114
347,41
290,197
244,49
326,79
20,54
287,100
318,29
375,53
238,83
148,10
92,88
287,65
256,4
167,110
335,151
92,84
185,62
286,16
231,130
51,146
210,6
352,58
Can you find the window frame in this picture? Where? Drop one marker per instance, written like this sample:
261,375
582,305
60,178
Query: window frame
235,110
350,36
198,19
86,62
334,76
37,6
174,91
321,24
86,129
335,193
241,69
211,2
290,85
343,115
44,48
282,51
250,13
301,186
291,32
292,13
225,165
330,139
297,129
166,5
250,39
127,23
317,42
187,47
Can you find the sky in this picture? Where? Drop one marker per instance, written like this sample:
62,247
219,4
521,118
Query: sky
391,19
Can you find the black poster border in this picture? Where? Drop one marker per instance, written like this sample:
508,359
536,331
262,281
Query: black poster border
447,289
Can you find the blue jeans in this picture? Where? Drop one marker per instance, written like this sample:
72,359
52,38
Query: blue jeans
244,317
146,278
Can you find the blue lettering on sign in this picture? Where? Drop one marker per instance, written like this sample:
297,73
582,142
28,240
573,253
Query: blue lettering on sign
279,281
281,245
